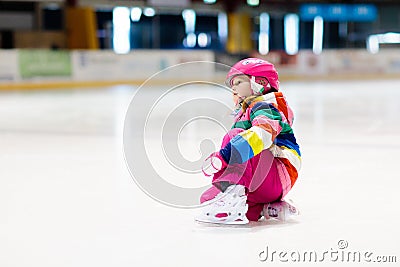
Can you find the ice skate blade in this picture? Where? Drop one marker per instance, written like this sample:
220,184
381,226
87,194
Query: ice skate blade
222,222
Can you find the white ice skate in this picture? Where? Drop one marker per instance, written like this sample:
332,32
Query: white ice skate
281,210
226,208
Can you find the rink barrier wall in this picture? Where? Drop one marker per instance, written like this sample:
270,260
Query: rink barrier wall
49,69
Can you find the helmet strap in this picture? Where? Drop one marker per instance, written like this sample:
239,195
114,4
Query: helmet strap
256,87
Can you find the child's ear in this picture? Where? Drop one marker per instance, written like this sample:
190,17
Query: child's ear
256,87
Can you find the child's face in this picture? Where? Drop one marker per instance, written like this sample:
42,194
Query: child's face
241,88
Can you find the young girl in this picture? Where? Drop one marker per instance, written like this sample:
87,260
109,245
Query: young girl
259,159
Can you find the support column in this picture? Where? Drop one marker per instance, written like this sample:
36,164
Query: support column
81,28
38,16
239,34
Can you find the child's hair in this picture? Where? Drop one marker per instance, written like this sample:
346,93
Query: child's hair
248,100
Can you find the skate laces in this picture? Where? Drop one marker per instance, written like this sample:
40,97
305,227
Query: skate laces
227,198
229,207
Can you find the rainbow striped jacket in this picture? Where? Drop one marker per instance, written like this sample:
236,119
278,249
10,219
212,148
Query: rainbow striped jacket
268,121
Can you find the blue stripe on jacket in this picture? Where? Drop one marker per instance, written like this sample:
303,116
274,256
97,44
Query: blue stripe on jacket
289,141
237,150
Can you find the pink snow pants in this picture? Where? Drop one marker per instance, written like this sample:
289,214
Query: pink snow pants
259,175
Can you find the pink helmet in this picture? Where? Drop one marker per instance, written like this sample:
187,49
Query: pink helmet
257,68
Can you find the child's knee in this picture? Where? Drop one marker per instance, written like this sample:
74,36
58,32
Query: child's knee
209,194
254,211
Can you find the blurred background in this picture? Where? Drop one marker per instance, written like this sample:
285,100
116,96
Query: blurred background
80,40
69,69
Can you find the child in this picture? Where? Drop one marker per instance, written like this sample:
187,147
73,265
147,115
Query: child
259,160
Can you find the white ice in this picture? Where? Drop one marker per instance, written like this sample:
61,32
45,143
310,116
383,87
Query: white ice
67,198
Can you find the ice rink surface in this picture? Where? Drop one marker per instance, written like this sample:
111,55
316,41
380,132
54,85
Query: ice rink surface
67,197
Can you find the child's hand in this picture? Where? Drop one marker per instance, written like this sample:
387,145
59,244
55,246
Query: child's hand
213,164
